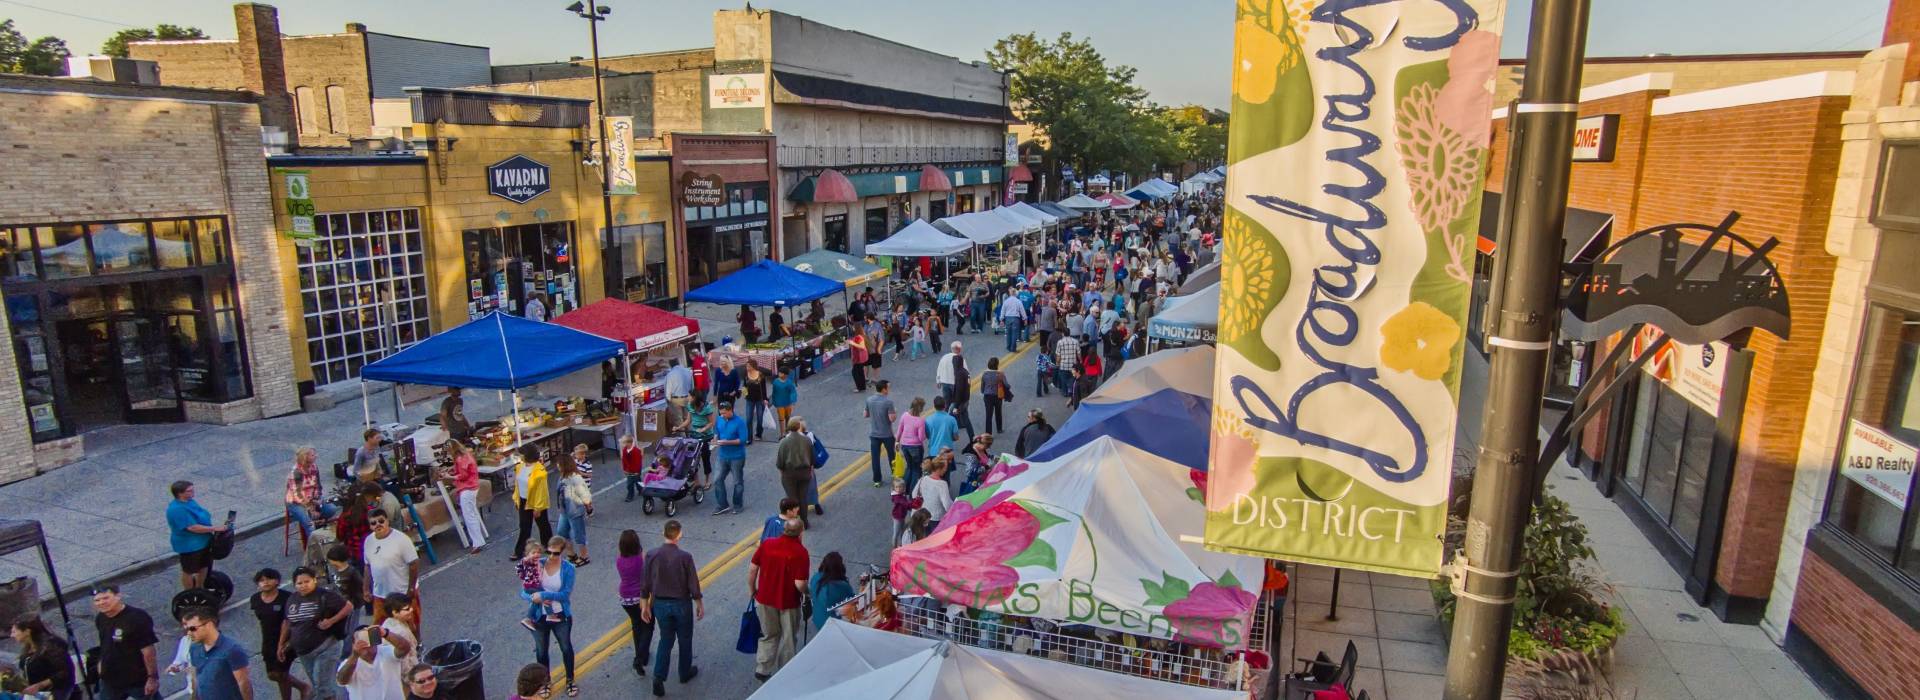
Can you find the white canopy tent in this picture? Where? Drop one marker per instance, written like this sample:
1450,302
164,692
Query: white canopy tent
978,227
1020,224
1193,318
1082,202
849,661
1033,212
919,240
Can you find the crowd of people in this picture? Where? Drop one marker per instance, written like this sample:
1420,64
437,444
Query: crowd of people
1085,298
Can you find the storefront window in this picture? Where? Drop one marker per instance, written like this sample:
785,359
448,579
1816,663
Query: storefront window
34,356
834,232
120,247
65,255
643,261
16,253
1872,495
877,225
173,243
937,207
1668,457
362,269
507,266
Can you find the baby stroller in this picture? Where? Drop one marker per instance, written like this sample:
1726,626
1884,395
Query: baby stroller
678,456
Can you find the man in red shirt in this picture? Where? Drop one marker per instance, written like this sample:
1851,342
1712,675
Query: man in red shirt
633,461
778,578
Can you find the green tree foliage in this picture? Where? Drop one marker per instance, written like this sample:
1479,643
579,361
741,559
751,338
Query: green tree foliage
1200,133
1092,114
116,45
46,55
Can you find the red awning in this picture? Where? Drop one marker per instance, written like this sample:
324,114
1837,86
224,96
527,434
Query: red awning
933,179
1019,173
637,325
831,186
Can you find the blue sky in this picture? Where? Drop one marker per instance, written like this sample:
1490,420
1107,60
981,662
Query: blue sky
1182,48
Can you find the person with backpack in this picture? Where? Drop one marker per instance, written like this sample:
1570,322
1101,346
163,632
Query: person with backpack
1034,434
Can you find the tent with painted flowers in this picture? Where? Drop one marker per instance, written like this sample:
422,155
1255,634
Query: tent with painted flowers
1107,535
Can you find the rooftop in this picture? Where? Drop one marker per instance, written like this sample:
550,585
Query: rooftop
99,88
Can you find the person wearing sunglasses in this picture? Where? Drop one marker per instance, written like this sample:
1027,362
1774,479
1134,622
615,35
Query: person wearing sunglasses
219,663
423,683
555,596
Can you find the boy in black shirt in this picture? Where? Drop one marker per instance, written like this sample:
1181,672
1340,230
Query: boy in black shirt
270,608
128,668
314,616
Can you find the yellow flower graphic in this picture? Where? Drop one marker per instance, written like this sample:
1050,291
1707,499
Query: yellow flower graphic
1246,283
1417,339
1267,41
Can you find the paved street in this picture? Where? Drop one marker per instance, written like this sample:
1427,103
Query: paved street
476,597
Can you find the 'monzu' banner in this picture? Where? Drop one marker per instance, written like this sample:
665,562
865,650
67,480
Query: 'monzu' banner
1356,154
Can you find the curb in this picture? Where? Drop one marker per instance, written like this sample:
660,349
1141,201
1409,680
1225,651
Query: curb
145,566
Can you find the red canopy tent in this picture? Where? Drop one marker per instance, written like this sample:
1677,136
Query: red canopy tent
640,326
1117,201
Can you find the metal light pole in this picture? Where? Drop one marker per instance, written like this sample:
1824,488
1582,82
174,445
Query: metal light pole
1521,343
610,263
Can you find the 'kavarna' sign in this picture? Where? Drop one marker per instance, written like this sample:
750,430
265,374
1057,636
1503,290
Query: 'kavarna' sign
518,179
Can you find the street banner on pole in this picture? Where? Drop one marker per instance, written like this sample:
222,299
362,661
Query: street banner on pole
622,179
1356,154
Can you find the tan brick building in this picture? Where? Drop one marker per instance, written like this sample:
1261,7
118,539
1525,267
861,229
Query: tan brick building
139,265
332,80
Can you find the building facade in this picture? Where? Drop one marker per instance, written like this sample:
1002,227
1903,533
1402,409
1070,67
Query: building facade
497,211
140,274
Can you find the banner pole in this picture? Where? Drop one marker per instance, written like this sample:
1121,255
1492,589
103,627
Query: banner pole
1521,344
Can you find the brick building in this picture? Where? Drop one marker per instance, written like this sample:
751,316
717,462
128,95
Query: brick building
139,268
333,81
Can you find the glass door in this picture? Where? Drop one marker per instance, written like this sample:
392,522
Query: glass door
147,373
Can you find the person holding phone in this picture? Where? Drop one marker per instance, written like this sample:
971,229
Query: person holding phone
191,532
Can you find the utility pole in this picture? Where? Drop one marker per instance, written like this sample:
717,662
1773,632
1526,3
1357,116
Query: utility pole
610,263
1521,341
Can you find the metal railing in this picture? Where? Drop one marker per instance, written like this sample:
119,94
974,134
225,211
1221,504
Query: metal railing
1158,659
838,156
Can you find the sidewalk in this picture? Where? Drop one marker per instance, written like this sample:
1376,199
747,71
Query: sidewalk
105,516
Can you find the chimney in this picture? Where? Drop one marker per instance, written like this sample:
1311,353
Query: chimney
356,28
1903,27
263,66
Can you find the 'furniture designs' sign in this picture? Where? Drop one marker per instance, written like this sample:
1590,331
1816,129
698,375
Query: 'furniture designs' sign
1356,158
518,179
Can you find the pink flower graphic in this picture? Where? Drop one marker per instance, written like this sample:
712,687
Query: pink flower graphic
1004,471
1443,169
966,563
986,497
1199,490
1202,617
1464,101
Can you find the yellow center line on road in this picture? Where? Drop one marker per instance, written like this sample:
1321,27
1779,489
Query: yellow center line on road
615,639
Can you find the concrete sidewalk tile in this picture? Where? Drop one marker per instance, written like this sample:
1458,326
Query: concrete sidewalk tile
1314,590
1640,683
1410,627
1393,581
1417,657
1403,600
1640,652
1745,637
1710,668
1354,621
1403,685
1778,675
1307,643
1313,571
1369,680
1660,613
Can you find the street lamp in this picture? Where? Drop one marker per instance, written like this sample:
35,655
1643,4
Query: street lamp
610,262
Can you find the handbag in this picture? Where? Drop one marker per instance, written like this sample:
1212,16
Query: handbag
749,641
899,465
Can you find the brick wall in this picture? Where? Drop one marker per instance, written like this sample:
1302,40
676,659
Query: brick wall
313,62
1688,75
1603,187
1873,646
1903,27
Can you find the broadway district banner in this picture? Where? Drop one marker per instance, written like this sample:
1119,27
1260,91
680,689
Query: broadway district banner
1356,155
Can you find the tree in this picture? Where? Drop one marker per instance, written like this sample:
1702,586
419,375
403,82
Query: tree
1201,133
116,45
46,55
1093,114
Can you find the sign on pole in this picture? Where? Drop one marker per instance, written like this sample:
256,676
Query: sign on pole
1357,152
621,180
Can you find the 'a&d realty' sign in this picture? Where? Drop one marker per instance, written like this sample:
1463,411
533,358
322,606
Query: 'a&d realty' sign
518,179
1356,155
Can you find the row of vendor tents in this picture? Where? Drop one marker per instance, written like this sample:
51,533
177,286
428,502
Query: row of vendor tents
1044,535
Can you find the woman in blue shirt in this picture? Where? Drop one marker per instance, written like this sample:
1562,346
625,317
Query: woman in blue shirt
190,531
785,393
555,598
828,588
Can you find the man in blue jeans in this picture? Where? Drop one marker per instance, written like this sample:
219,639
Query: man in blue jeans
730,438
672,586
1013,314
880,413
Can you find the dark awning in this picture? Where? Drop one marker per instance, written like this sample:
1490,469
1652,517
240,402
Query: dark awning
810,88
1584,232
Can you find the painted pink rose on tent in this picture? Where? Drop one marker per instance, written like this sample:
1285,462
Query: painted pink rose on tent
1212,615
968,563
986,497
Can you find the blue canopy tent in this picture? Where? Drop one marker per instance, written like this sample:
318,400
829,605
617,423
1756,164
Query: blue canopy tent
766,283
1169,423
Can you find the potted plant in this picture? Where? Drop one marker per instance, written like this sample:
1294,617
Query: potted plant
1564,630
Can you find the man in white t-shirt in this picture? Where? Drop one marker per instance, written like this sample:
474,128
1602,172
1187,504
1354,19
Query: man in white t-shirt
393,566
373,670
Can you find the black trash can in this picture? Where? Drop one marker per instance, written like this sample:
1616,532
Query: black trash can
458,666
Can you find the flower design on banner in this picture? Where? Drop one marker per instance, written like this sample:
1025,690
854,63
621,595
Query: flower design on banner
1199,613
1443,169
1233,443
1251,284
973,563
1464,102
1267,40
1419,339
